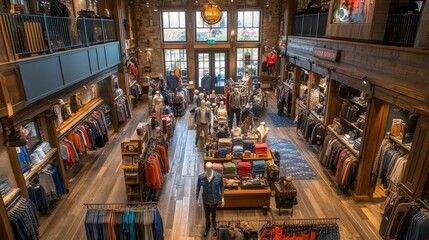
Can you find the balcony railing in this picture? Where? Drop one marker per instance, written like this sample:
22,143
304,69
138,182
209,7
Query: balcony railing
402,28
35,34
310,25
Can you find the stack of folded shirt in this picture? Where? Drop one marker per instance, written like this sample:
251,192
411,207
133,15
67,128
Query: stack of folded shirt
249,145
258,168
237,141
244,169
218,167
237,152
221,152
225,143
229,170
247,154
261,148
4,187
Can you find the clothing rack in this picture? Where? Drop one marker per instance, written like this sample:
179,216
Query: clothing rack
116,206
285,221
83,119
14,201
342,141
41,168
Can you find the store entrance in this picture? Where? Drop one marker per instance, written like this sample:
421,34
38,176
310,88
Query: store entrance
215,63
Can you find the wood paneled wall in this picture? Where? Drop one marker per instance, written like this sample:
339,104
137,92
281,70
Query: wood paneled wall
400,70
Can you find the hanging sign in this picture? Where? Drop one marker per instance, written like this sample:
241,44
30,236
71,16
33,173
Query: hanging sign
211,13
327,54
211,40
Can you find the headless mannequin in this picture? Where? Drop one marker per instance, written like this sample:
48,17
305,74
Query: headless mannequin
236,131
247,121
210,181
222,113
202,118
235,107
195,98
263,132
200,98
212,96
158,103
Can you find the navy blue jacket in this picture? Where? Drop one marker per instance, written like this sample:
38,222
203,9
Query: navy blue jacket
216,184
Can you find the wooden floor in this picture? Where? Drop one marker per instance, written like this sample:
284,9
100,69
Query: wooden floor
101,181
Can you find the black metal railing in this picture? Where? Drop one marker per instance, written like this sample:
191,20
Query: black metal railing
29,34
402,28
310,25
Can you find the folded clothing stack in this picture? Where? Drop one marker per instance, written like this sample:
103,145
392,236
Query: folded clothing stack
221,152
237,152
244,169
218,167
237,141
4,186
225,143
249,145
261,148
229,170
258,168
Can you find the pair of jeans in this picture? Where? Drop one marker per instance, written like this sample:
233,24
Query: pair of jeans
237,113
210,209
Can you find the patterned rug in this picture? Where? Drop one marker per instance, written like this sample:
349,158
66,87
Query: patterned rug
291,161
280,121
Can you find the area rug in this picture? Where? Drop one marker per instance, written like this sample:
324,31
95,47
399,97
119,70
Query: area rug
291,161
280,121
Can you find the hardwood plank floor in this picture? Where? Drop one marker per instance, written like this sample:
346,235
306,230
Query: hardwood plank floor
102,181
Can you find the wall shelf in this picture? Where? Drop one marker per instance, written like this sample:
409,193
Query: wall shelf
344,142
11,196
399,142
352,124
37,167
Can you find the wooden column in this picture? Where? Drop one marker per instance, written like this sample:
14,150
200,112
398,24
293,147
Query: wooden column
417,169
111,96
295,93
190,45
289,14
233,42
333,102
371,140
5,227
422,37
53,140
17,171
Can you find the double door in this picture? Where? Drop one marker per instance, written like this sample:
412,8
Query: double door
215,63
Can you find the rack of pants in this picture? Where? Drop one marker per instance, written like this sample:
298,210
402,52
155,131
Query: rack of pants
133,221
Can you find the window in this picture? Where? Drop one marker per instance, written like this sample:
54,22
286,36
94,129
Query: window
174,26
243,65
248,24
176,58
219,30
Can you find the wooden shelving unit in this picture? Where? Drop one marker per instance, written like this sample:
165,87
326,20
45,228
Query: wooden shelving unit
344,142
352,125
399,142
11,196
37,167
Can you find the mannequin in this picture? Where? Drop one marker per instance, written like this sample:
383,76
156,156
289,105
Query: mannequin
206,83
158,103
200,98
263,132
212,184
235,107
172,81
222,114
212,97
236,131
195,98
271,62
247,117
202,118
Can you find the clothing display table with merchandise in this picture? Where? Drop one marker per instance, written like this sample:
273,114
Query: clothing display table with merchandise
218,160
266,157
260,198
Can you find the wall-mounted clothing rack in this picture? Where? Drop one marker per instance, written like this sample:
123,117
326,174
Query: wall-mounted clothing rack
13,201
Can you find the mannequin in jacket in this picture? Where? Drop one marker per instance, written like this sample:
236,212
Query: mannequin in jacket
212,184
158,104
206,83
202,118
271,62
235,107
247,119
172,81
263,132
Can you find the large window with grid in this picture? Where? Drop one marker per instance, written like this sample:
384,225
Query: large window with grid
248,26
174,26
218,31
247,59
176,59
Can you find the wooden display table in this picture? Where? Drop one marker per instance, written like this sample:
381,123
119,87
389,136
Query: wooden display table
258,198
229,157
217,160
268,157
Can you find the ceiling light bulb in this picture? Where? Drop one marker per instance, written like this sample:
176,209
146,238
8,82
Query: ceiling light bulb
155,9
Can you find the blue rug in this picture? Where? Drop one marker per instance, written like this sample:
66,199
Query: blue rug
280,121
291,161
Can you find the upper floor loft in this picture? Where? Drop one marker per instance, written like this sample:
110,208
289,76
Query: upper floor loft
401,23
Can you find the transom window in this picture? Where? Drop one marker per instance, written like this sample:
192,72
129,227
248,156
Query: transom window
174,26
219,31
248,26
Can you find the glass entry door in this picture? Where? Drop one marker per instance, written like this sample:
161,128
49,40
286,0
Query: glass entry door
215,63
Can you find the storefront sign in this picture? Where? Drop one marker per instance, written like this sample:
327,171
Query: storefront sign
327,54
211,13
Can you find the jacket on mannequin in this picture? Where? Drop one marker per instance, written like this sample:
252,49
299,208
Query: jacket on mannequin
172,81
263,132
214,186
206,82
272,60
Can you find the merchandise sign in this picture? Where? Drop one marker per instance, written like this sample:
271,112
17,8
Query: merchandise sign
211,41
211,13
327,54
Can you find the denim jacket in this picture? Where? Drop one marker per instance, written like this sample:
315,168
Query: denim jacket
216,184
